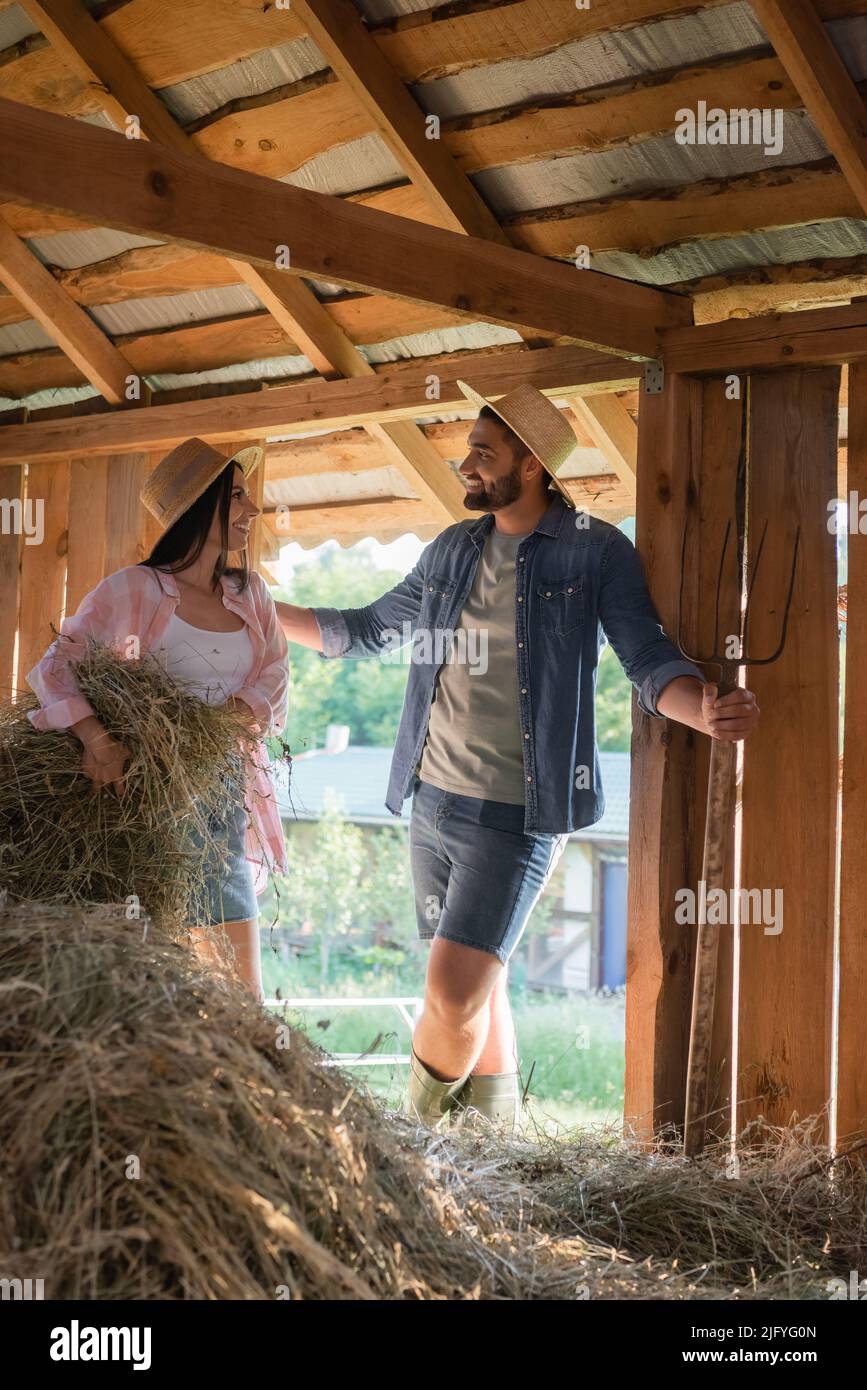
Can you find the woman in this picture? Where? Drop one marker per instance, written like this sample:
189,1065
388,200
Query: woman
215,630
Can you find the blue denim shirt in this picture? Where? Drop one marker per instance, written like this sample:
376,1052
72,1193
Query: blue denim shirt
578,580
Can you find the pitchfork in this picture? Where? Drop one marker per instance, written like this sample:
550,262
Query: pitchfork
718,830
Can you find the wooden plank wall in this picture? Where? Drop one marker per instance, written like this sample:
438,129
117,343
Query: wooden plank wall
852,1056
689,453
790,766
11,491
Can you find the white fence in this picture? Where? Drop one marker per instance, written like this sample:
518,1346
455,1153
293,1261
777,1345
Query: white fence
408,1007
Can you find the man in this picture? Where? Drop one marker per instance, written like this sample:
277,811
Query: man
500,753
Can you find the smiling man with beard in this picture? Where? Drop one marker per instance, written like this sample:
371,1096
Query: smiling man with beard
501,762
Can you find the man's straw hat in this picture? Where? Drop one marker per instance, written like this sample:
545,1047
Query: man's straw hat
184,474
537,422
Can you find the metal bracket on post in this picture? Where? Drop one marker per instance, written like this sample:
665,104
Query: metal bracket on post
654,378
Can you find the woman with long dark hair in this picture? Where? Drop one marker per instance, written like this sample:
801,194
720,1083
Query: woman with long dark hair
214,628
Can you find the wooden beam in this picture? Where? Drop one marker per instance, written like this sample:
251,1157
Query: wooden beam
851,1069
613,431
398,392
650,221
336,28
177,197
72,329
659,952
812,338
815,67
790,763
358,518
292,304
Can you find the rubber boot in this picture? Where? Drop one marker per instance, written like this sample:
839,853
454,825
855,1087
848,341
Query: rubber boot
490,1100
429,1100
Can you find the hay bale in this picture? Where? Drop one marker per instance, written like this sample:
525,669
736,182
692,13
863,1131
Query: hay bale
62,842
158,1142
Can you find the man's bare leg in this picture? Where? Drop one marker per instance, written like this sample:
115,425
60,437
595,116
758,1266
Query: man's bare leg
454,1026
499,1052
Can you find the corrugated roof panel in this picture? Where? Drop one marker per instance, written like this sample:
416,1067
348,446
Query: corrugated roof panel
469,337
69,250
377,11
658,162
593,62
324,488
271,369
27,336
54,396
174,310
350,168
253,76
780,246
15,25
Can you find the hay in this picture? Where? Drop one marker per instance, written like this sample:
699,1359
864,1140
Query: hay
62,842
263,1174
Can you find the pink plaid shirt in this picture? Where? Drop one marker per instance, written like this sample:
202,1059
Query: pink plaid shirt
139,602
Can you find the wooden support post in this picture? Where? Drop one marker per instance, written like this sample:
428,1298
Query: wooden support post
659,952
43,567
851,1062
11,540
790,764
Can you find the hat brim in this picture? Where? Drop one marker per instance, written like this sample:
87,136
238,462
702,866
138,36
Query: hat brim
248,459
479,400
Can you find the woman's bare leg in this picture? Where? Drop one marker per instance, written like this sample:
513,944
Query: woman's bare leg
234,947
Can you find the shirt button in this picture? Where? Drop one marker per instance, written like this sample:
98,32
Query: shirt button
529,779
521,559
523,690
568,591
520,599
520,644
430,588
548,595
526,736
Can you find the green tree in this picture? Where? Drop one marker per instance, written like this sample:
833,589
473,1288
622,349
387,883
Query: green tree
320,891
613,705
365,694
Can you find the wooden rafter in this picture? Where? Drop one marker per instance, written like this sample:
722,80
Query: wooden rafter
398,392
87,46
818,72
613,431
70,326
179,197
337,29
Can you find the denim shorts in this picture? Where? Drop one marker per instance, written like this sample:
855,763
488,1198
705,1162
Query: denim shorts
477,874
229,894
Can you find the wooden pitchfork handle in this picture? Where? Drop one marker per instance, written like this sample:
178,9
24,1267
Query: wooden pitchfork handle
718,831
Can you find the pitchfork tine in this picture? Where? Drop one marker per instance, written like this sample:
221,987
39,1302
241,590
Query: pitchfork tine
766,660
719,580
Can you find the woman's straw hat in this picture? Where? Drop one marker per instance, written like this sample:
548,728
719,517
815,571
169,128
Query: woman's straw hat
184,474
537,421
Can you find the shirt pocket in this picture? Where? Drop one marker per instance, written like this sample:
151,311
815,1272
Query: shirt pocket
561,605
435,601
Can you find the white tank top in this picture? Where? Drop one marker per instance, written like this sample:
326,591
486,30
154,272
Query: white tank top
212,665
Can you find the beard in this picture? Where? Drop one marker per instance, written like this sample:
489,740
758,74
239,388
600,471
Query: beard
501,493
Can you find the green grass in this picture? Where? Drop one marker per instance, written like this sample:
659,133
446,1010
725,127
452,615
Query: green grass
570,1046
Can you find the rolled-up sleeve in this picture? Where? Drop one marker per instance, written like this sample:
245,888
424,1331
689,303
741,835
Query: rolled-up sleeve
383,625
631,624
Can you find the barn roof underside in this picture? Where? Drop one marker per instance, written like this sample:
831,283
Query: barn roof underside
565,127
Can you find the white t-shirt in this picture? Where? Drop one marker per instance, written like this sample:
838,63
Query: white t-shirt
212,665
